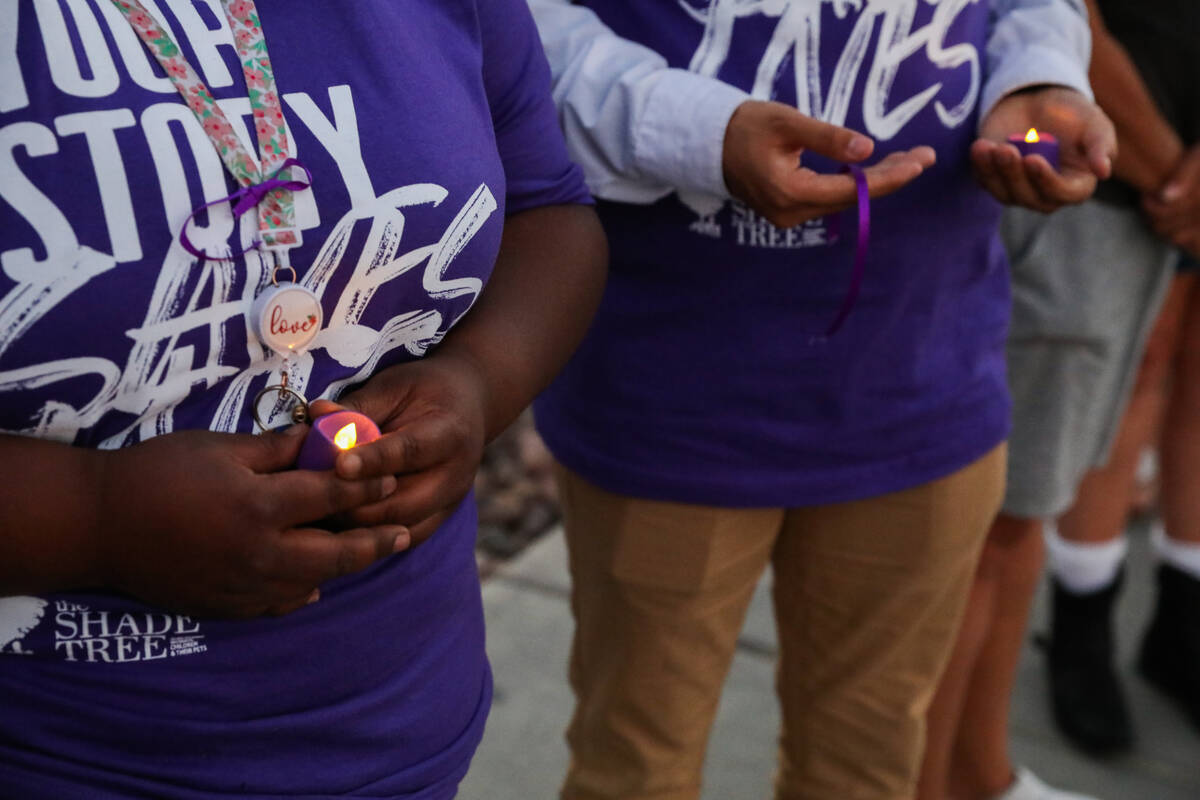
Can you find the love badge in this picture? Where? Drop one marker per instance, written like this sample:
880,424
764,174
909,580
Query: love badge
286,317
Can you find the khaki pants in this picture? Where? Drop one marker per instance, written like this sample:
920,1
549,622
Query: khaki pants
868,597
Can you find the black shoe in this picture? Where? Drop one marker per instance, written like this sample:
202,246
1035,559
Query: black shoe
1170,656
1089,705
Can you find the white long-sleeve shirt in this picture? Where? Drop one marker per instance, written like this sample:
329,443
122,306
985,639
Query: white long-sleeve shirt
642,130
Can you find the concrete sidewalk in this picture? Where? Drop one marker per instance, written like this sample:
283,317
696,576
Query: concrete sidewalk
529,628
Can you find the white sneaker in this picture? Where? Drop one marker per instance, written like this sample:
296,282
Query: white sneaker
1028,786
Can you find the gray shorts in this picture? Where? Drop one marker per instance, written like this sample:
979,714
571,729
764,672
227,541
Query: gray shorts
1088,282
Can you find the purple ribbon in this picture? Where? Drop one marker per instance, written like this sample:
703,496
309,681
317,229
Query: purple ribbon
860,251
245,199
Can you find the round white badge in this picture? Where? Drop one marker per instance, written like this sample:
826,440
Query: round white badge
286,318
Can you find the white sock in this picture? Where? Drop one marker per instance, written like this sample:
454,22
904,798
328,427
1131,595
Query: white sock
1083,568
1184,556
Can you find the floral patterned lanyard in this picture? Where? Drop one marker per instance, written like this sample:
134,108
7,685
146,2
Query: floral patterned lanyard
287,316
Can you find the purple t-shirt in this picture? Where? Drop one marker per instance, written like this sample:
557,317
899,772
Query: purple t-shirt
423,124
702,379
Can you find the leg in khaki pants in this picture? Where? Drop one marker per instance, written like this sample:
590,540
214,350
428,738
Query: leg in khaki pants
659,593
868,599
867,594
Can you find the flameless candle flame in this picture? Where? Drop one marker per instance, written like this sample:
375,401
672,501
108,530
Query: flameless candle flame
346,437
332,434
1032,136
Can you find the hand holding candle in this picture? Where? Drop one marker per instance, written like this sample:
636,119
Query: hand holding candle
432,416
333,433
1079,152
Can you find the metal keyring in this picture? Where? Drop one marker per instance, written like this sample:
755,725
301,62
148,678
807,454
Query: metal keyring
299,411
275,273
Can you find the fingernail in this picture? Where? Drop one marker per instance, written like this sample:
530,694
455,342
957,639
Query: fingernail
1172,193
402,542
314,597
388,484
859,147
349,465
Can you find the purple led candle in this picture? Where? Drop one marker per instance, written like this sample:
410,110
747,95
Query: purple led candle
333,433
1034,143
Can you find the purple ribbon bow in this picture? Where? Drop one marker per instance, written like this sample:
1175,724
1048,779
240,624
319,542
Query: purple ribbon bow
245,199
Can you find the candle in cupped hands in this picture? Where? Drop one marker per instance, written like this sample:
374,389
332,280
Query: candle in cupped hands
1035,143
333,433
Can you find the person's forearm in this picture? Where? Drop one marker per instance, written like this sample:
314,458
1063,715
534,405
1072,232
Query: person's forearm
638,129
547,283
1148,148
1035,43
47,516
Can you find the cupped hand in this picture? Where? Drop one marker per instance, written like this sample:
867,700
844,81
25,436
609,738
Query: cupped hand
1087,145
431,415
761,162
216,524
1174,211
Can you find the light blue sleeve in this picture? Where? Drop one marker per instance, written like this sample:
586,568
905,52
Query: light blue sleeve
1035,42
639,129
642,130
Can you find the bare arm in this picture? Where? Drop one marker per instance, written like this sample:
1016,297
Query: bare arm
437,413
51,497
1153,159
200,522
546,286
1149,148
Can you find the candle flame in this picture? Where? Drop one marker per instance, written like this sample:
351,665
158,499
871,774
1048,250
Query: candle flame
346,437
1032,136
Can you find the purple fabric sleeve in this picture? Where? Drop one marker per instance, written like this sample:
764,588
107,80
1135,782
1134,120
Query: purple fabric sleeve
517,80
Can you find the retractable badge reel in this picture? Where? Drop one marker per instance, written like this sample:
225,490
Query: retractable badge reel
286,317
